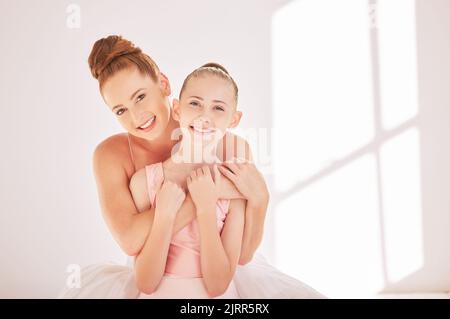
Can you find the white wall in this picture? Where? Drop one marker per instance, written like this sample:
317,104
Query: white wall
54,117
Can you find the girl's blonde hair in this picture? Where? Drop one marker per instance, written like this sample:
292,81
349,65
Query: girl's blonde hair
214,69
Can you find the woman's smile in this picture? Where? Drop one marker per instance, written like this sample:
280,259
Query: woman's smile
148,125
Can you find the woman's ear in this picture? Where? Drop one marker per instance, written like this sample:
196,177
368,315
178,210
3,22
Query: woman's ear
164,84
176,110
237,115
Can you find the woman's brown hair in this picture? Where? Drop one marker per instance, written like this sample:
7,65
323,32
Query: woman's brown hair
112,54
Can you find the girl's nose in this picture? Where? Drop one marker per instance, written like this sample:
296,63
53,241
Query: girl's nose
203,121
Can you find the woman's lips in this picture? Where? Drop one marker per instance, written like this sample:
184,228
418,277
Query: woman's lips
148,125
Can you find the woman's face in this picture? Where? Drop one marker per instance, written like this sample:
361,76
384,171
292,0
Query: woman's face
140,104
207,108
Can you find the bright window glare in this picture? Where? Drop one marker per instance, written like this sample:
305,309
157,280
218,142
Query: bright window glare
345,223
322,85
402,204
398,61
328,235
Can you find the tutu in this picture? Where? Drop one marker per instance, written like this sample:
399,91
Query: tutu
104,281
256,280
182,278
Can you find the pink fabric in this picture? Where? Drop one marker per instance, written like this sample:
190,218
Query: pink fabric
255,280
183,259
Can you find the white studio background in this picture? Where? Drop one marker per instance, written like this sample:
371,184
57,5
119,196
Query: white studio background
353,94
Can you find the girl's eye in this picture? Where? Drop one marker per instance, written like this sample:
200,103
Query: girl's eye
194,103
120,112
219,108
140,97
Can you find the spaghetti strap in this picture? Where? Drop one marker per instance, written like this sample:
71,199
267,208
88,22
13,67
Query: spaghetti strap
131,151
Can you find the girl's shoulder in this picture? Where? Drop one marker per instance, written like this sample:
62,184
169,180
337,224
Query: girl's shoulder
234,146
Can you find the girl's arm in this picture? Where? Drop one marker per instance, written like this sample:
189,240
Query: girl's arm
129,226
150,264
141,198
219,254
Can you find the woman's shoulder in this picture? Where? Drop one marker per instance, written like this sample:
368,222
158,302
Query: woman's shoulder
112,145
113,152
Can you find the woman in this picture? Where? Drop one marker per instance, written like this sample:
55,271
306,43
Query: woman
145,112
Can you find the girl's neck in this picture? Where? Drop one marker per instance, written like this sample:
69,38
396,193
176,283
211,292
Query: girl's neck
185,160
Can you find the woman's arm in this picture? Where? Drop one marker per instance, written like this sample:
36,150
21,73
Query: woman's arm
150,264
219,255
250,183
129,227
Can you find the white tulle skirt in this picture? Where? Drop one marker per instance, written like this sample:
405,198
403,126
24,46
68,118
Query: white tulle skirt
256,280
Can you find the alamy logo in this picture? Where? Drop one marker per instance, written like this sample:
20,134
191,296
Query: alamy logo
73,20
74,278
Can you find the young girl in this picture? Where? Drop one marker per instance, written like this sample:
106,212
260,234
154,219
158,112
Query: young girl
198,261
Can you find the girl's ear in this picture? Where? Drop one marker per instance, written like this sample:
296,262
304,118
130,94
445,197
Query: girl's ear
237,115
164,84
176,110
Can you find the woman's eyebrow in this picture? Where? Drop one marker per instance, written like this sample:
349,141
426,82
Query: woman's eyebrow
132,96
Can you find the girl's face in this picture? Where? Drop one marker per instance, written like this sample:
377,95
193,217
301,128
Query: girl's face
207,107
140,104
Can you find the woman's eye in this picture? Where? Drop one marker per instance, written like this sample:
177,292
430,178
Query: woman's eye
193,103
140,97
219,108
120,112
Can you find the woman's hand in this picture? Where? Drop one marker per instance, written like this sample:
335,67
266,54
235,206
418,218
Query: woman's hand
169,199
248,180
202,190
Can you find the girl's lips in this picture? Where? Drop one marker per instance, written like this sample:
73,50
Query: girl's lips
197,130
147,126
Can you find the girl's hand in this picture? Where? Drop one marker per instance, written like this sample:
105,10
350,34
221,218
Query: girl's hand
168,200
248,180
202,190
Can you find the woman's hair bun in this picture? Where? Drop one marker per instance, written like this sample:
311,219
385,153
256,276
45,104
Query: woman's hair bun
106,50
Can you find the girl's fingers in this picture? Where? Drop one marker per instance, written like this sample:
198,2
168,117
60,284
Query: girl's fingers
233,167
227,173
199,171
205,170
216,173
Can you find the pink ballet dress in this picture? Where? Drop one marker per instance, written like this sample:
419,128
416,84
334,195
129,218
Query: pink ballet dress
182,278
183,275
